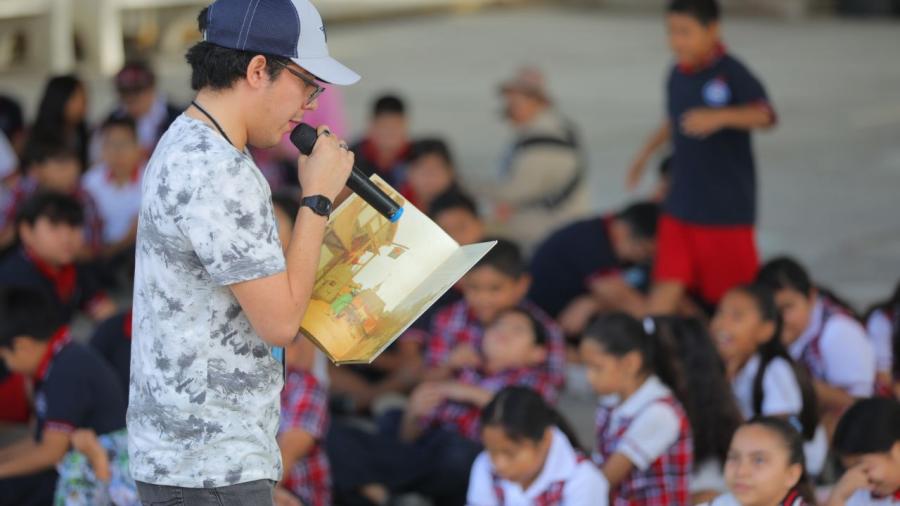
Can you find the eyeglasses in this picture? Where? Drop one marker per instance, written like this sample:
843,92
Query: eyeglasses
309,82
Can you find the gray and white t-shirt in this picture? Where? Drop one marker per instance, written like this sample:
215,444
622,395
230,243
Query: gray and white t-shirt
204,402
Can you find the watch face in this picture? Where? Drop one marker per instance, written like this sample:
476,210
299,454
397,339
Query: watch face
319,204
323,205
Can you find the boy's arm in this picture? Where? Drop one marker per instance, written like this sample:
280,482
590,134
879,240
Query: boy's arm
20,446
702,122
44,455
295,444
660,136
469,394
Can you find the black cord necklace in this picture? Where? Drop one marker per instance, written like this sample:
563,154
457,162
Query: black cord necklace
214,122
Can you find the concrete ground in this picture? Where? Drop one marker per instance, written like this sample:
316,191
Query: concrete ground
829,174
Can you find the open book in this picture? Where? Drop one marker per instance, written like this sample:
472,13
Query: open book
376,278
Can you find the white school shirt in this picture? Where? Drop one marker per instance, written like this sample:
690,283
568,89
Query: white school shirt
119,206
846,351
864,498
655,428
881,331
584,483
781,390
730,500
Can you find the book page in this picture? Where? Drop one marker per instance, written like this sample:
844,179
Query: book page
393,324
368,268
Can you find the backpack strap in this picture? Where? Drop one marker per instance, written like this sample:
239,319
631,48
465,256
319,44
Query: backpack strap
570,141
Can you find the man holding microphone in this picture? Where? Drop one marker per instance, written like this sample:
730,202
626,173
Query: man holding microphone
213,291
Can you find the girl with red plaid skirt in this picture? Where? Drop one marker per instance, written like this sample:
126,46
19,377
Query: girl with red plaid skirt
765,466
644,443
531,457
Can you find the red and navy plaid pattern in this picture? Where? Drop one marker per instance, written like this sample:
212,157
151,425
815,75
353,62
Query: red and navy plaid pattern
553,496
665,482
464,418
458,325
304,406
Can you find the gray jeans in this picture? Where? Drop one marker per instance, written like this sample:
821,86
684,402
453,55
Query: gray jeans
252,493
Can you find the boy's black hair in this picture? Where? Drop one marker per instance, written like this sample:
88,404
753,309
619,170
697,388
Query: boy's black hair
388,104
40,152
505,257
26,312
453,198
56,207
524,415
704,11
710,407
641,218
119,120
431,146
12,121
794,442
773,348
218,68
537,328
869,426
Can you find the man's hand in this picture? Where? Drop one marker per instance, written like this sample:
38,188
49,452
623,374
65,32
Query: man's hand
701,122
326,170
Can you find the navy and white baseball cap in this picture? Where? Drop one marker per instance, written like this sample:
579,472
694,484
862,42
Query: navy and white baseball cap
288,28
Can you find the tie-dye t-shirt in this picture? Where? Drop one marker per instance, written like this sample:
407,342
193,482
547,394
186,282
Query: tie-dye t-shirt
205,390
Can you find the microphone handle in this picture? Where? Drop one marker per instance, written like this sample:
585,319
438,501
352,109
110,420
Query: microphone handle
373,195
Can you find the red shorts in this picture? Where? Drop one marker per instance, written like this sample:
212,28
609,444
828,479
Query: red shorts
708,260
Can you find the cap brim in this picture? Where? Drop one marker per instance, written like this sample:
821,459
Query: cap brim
329,70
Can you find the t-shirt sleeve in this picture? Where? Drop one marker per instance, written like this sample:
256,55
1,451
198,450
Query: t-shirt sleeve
231,225
587,488
748,90
481,487
881,332
848,355
67,399
650,435
781,389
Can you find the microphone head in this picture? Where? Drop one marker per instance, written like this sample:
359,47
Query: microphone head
304,137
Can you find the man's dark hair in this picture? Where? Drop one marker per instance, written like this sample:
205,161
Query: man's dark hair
704,11
431,146
505,257
452,199
641,218
118,120
56,207
217,68
27,312
39,152
388,104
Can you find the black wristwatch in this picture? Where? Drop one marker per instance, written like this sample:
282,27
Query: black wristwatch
319,204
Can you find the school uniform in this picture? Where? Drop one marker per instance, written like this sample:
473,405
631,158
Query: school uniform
835,349
118,205
793,499
705,239
72,288
865,498
304,406
564,265
880,327
781,396
393,172
567,478
652,431
456,324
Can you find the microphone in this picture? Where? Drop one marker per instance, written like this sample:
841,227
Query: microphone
305,137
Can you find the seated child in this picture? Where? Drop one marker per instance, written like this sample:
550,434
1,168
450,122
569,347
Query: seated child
430,174
883,326
765,466
764,378
498,282
456,213
568,265
50,233
531,457
868,441
115,184
644,445
823,337
112,341
74,388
